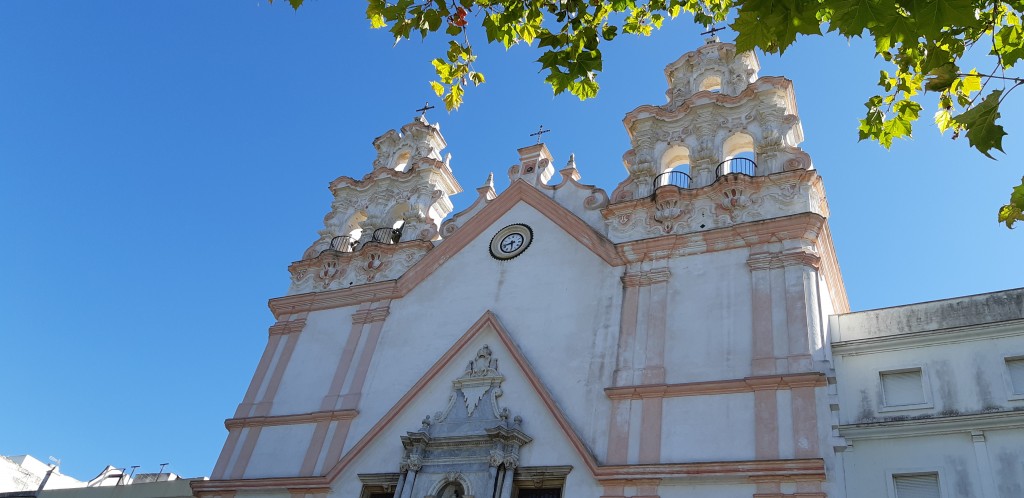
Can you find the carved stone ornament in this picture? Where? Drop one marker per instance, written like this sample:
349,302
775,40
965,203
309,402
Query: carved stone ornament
457,446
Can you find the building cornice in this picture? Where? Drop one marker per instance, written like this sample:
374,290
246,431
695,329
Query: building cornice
729,386
934,426
302,418
812,469
980,332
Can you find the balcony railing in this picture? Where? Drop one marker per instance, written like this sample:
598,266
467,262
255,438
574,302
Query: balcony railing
342,243
736,165
676,178
387,235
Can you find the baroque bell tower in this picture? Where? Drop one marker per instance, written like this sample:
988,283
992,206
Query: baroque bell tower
382,224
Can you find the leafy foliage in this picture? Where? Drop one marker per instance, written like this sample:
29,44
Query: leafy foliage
924,40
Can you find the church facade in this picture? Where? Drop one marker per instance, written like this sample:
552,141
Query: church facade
421,353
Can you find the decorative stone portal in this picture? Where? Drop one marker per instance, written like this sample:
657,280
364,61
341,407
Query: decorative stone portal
471,448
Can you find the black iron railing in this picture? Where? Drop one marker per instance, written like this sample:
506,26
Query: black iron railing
342,243
736,165
676,178
387,235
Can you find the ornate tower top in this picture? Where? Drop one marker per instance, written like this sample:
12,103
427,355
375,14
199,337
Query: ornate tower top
395,208
714,67
723,126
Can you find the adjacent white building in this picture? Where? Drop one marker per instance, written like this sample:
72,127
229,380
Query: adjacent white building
670,338
931,397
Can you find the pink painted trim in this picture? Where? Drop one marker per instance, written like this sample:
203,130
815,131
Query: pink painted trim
627,336
763,362
259,377
766,424
263,408
301,418
238,471
812,469
337,444
487,321
225,454
312,484
316,443
330,401
650,431
730,386
618,433
359,378
805,423
654,363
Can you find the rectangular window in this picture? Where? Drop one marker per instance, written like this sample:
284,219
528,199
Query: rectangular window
902,387
917,485
1016,368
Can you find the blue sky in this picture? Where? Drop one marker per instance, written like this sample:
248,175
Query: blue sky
161,164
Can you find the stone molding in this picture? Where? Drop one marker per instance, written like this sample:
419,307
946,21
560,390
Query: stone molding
774,260
966,424
287,327
645,278
371,315
731,386
808,226
810,469
914,340
296,419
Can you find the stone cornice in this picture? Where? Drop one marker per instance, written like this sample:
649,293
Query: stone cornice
912,340
934,426
804,225
371,315
700,99
303,418
796,469
212,487
432,166
366,293
287,327
644,278
729,386
772,260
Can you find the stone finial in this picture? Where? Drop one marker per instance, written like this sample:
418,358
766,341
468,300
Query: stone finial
487,189
570,171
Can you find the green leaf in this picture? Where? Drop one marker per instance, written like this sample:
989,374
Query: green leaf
980,122
1014,211
453,99
437,87
295,4
941,78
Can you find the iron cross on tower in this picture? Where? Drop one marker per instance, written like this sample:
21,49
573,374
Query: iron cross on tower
712,31
540,132
423,110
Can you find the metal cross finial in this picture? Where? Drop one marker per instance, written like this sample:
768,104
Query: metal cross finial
540,132
423,110
712,31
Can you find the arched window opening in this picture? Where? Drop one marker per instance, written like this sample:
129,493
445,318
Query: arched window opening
452,490
354,232
675,168
738,151
402,163
711,83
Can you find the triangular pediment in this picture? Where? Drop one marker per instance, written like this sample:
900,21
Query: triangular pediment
519,193
500,393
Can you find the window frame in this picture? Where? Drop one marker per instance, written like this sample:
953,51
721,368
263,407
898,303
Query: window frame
910,472
925,388
1013,393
